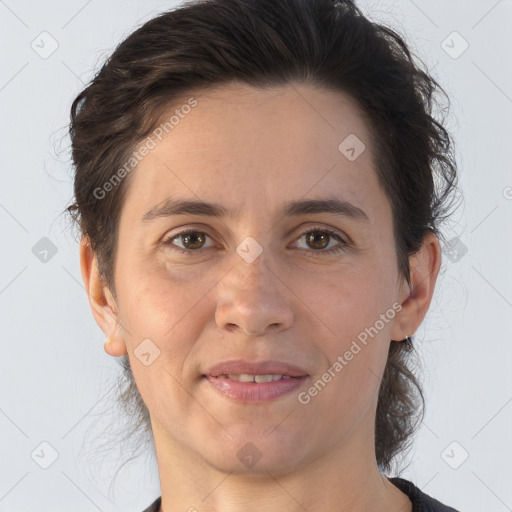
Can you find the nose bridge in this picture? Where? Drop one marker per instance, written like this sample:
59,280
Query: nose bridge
252,297
253,257
252,279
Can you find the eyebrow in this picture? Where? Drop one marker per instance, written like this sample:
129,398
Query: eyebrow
171,207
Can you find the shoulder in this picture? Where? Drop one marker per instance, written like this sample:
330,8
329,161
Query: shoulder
421,502
155,506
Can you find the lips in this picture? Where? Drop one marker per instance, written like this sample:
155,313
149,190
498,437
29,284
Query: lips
243,367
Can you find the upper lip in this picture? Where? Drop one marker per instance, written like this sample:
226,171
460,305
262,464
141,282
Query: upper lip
241,366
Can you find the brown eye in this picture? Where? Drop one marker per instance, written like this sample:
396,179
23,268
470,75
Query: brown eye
188,241
194,240
321,241
317,239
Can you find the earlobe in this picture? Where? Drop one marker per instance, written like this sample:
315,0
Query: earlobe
102,302
425,266
115,347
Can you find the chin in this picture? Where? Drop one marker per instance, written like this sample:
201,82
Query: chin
257,452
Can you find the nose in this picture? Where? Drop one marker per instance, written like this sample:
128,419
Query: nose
253,299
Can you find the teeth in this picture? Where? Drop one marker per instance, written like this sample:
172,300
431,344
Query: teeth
244,377
267,378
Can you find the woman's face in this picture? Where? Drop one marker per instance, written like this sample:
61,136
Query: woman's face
264,279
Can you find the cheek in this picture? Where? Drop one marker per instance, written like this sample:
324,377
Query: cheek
163,317
356,357
356,310
158,303
351,298
172,309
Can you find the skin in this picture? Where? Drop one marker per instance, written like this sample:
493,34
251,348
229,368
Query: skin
252,150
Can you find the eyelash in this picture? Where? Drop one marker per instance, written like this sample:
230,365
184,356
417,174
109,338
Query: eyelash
342,246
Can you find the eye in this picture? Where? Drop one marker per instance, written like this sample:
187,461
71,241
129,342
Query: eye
190,239
319,240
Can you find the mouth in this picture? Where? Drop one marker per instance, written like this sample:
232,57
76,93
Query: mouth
247,381
247,388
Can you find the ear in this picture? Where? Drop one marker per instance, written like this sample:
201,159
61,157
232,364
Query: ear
101,300
416,298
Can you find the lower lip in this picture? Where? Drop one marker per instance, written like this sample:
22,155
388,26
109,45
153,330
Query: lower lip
255,391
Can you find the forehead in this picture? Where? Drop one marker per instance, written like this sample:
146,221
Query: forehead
247,144
240,115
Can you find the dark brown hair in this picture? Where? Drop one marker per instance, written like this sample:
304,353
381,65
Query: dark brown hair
329,44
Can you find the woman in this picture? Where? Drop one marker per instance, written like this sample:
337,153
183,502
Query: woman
259,187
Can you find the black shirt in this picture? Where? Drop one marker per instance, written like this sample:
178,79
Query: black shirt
421,502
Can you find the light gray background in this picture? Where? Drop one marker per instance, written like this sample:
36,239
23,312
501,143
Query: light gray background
56,380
